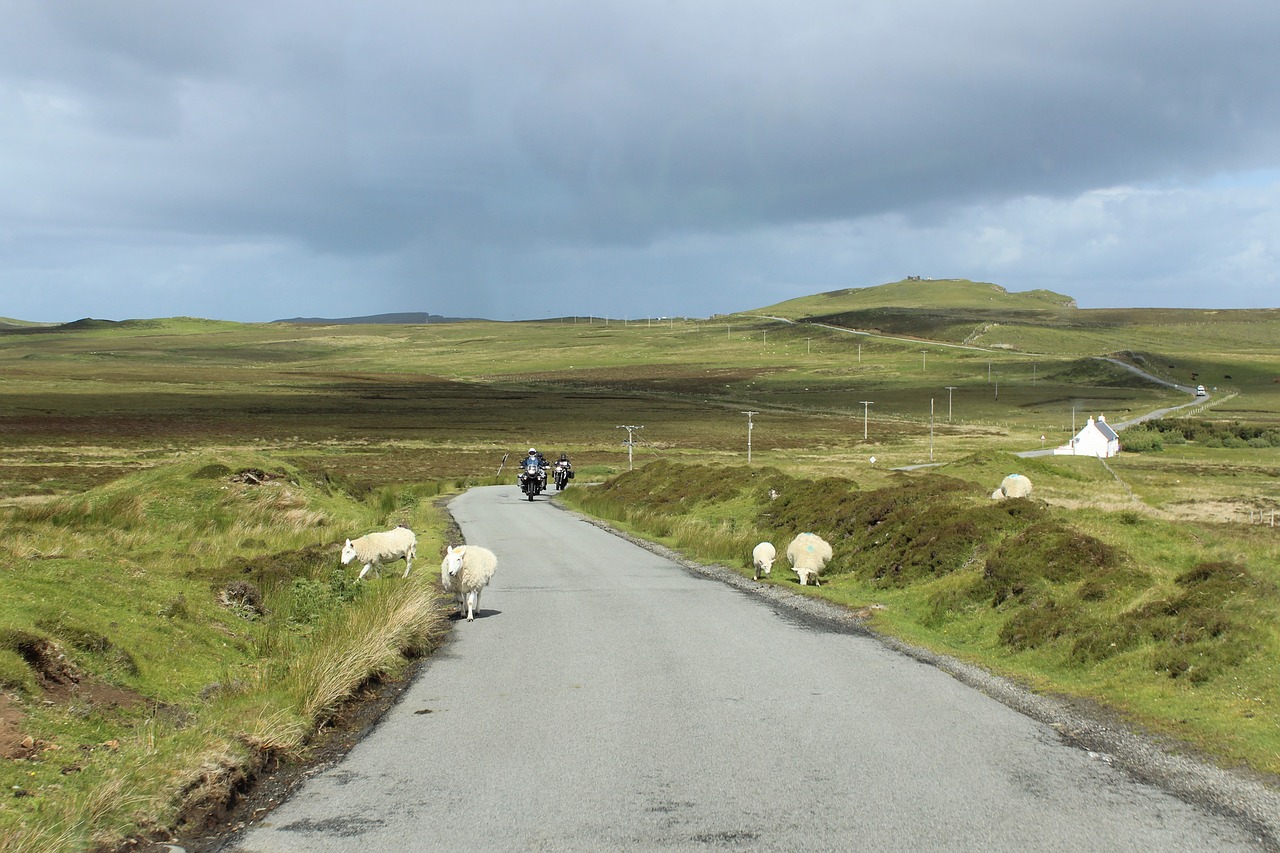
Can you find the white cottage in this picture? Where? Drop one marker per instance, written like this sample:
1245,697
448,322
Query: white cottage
1096,439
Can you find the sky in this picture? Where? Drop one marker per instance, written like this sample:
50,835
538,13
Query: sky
261,160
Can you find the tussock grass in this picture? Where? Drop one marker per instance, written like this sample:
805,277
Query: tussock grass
220,629
368,640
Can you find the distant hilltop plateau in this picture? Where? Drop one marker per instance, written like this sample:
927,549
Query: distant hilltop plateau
406,318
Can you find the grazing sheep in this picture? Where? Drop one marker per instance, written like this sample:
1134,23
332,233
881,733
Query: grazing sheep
762,557
465,571
374,549
808,554
1013,486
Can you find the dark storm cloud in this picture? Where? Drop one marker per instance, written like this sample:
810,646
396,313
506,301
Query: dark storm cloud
440,152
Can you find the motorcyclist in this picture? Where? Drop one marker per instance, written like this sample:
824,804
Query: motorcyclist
563,465
541,462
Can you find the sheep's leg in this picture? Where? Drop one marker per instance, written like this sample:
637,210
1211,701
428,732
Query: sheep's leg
471,598
478,591
364,571
407,565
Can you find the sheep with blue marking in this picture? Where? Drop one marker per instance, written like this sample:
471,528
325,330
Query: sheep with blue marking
808,554
762,557
465,571
374,549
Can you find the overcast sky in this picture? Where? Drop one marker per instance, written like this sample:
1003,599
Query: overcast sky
266,159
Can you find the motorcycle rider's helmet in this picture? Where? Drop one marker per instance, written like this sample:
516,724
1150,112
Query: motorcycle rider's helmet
564,457
533,451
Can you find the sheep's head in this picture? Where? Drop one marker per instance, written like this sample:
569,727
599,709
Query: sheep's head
453,559
348,552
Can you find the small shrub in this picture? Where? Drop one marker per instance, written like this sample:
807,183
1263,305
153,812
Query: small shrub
244,598
1098,640
1141,441
1039,623
1045,553
176,608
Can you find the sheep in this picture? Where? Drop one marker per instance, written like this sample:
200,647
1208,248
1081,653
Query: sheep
1013,486
465,571
808,554
374,549
762,557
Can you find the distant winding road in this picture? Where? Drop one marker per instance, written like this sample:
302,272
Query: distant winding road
609,698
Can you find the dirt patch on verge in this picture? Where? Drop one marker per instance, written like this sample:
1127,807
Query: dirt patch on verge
11,737
250,793
62,683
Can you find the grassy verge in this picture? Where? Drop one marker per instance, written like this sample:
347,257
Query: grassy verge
167,633
1171,624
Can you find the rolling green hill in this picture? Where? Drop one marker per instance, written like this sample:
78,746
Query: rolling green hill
925,294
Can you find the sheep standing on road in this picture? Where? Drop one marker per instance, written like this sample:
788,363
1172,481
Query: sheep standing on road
809,554
374,549
465,571
762,557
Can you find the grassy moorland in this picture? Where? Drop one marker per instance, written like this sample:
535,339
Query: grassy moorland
168,618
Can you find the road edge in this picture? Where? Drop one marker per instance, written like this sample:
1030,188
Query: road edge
1244,796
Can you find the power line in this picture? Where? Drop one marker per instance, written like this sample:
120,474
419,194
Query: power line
750,426
630,443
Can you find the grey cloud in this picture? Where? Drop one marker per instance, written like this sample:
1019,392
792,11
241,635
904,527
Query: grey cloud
468,145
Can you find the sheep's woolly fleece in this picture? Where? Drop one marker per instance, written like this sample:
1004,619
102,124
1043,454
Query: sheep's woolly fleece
473,568
374,549
762,557
808,554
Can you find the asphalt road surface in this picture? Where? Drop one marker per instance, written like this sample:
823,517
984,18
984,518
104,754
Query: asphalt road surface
608,699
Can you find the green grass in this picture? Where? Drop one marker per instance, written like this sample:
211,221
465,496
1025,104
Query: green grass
193,621
133,551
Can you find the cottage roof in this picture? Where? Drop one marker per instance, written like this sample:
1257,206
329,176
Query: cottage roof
1103,427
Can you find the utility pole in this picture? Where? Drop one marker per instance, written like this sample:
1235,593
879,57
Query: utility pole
949,388
750,426
930,429
630,443
924,359
866,404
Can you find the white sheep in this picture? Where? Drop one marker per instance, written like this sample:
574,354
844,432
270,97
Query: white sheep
465,571
1015,486
808,554
374,549
762,557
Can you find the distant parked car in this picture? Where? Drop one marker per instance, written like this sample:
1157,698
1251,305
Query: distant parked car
1200,392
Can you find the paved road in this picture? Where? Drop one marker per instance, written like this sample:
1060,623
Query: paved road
608,699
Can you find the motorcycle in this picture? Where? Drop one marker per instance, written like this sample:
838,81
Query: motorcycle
533,478
563,473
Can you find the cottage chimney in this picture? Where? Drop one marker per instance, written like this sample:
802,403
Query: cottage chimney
1102,419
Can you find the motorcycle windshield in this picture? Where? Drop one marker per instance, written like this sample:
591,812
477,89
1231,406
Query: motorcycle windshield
531,466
